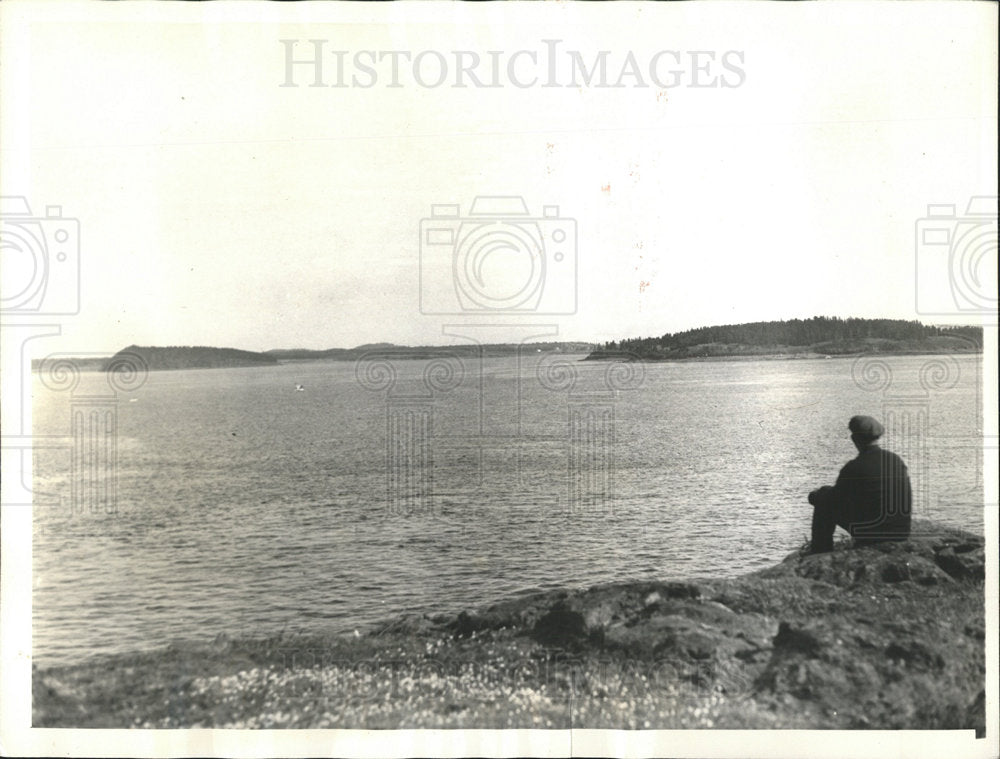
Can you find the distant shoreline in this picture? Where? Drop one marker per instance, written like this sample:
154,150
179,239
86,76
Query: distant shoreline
98,364
803,356
817,337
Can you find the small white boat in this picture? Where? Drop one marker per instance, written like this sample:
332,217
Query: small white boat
299,388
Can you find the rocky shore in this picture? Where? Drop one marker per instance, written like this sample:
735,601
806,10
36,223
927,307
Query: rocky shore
888,636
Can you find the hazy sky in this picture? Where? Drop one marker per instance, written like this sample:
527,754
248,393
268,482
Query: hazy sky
218,208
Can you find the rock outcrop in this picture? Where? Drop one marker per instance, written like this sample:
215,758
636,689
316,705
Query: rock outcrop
887,636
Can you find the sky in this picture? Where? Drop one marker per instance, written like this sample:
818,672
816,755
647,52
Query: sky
217,207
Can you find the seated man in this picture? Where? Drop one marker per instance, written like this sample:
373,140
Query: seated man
872,499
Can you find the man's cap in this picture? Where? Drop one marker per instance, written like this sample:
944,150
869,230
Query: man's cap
866,426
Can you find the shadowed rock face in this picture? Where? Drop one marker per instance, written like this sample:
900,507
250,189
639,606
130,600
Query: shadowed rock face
560,627
899,638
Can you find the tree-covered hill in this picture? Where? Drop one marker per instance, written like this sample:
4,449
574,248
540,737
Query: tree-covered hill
820,334
188,357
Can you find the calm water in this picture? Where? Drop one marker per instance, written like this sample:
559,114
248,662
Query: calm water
246,506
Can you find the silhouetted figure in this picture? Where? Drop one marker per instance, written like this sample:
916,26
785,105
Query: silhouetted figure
872,499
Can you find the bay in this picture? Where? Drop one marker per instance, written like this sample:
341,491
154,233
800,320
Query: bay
246,506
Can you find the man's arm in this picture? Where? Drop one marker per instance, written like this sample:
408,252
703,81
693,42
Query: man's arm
821,496
837,494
